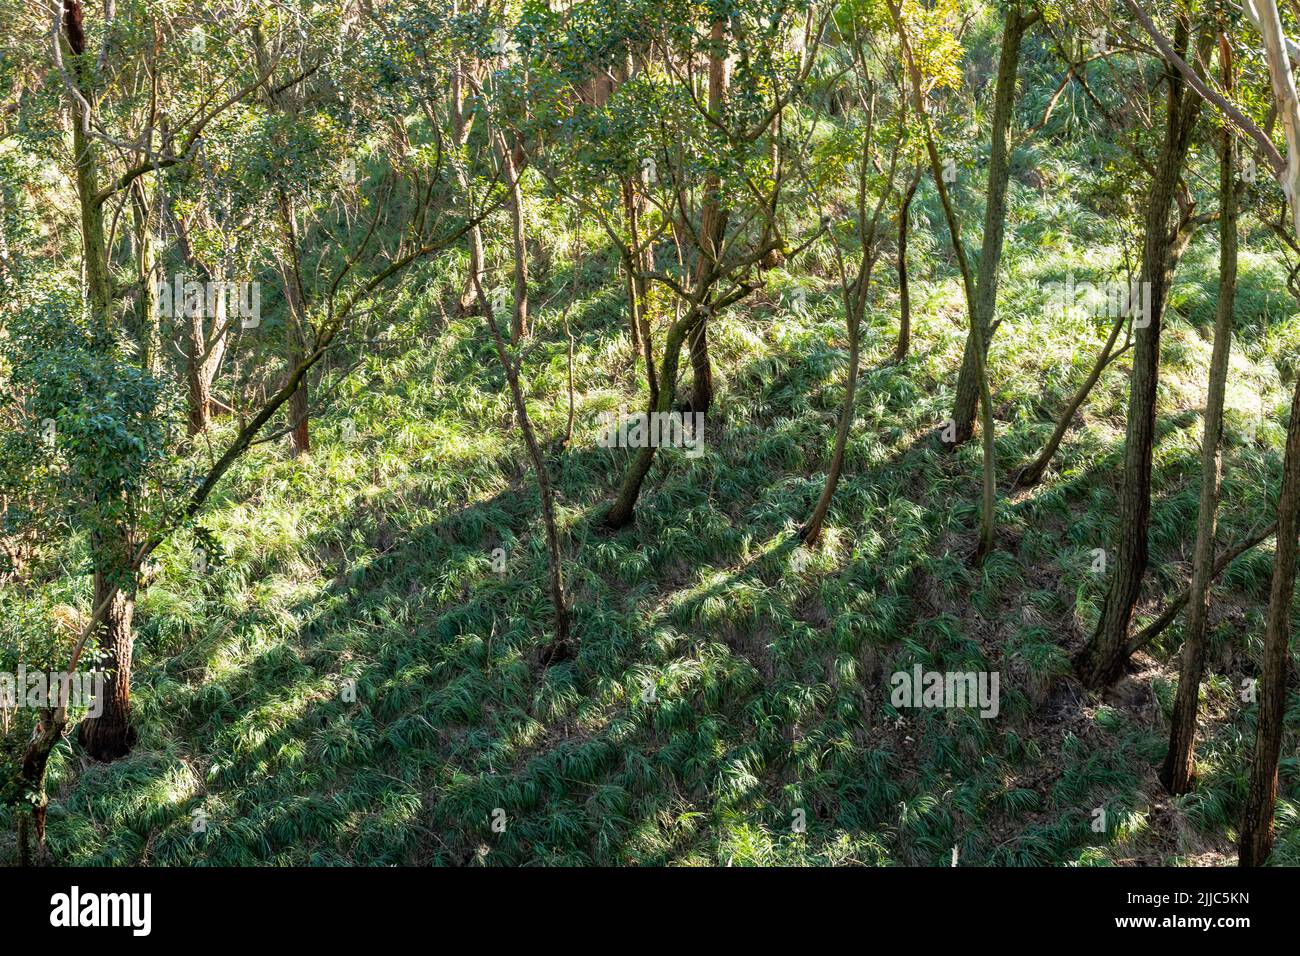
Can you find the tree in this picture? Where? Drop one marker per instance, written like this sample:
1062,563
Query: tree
1176,774
1103,658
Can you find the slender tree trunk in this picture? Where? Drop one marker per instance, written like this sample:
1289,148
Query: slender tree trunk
558,649
295,331
1102,660
811,531
1180,762
85,152
1032,473
460,128
713,225
632,216
1261,793
622,511
147,318
988,500
513,160
1171,610
995,219
642,261
202,355
904,290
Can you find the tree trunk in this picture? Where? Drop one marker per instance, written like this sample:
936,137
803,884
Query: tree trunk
202,355
558,649
904,292
1102,660
295,331
31,820
110,735
460,128
513,161
1033,472
1261,793
854,302
147,318
621,512
713,225
1180,762
995,220
85,153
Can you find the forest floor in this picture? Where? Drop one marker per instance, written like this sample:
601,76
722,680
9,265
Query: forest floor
353,681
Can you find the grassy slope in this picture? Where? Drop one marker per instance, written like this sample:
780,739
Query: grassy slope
723,682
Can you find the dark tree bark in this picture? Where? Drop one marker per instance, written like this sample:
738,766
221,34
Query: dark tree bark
1102,661
1032,473
31,820
513,162
110,735
559,648
1180,762
713,225
904,290
623,509
1261,793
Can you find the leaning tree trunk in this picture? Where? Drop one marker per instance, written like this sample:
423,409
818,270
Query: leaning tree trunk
558,649
31,820
1032,473
995,219
623,509
1101,662
1179,765
855,303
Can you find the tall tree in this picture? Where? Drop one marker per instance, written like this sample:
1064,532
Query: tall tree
1179,764
1103,658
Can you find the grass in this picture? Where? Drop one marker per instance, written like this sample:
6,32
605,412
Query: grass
352,681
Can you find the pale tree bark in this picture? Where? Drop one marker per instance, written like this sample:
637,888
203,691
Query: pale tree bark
148,321
204,349
512,162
